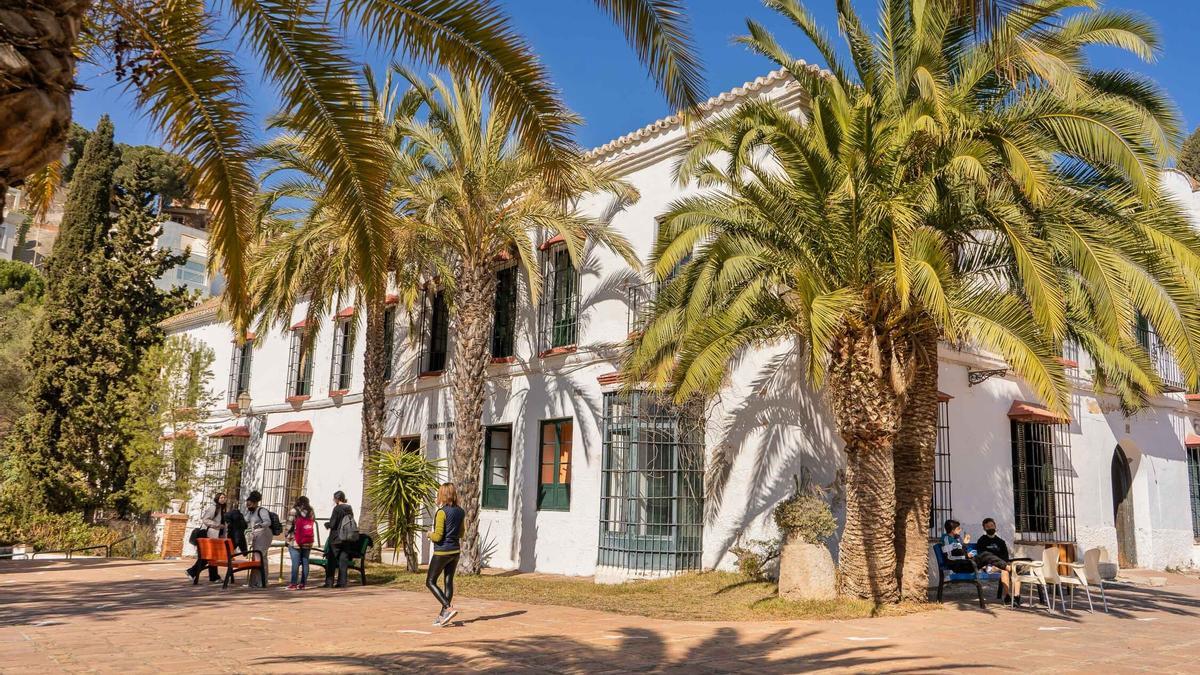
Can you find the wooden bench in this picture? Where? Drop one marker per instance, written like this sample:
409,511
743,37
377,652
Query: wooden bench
220,553
329,562
949,576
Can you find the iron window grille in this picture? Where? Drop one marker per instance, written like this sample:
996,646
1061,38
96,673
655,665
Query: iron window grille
1165,365
640,299
1193,463
554,466
299,381
652,499
223,468
342,368
1043,482
504,325
435,332
408,444
497,458
389,340
559,306
239,370
286,470
941,509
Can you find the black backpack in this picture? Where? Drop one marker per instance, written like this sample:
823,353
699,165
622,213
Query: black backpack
276,524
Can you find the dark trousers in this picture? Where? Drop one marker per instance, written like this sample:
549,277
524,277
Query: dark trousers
442,566
336,553
198,567
989,559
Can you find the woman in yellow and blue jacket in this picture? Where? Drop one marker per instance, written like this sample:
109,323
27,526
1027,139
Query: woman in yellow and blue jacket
447,527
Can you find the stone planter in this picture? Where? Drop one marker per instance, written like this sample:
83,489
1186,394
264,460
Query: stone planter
806,572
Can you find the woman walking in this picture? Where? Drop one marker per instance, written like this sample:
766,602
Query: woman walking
447,525
301,532
213,517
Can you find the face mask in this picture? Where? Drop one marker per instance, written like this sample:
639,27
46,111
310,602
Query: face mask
991,531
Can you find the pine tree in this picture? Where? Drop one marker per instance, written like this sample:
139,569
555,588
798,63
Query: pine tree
1189,156
100,317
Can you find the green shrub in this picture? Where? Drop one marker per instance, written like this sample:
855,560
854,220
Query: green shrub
754,557
806,517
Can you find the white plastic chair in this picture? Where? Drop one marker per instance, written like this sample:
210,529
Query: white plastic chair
1050,573
1089,574
1077,579
1029,572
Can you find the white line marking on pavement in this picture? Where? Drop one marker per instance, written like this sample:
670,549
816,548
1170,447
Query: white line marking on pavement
1150,618
415,632
260,618
48,622
863,639
1056,628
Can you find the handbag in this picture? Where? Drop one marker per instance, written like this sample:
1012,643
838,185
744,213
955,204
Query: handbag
197,534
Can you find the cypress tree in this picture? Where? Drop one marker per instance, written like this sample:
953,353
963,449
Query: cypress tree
99,319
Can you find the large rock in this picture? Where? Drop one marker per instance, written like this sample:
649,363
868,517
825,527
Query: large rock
806,572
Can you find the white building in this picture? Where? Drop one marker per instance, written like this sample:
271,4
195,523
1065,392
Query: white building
186,229
582,481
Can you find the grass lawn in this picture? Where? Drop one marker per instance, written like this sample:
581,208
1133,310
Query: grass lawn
704,596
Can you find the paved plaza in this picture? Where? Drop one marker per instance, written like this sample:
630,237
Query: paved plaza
132,617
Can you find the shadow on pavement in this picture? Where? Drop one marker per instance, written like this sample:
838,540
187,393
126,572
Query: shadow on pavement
629,650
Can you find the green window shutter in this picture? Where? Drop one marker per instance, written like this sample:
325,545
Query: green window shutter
554,465
497,458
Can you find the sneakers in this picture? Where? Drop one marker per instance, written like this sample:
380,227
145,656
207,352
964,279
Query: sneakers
441,617
447,615
299,587
292,587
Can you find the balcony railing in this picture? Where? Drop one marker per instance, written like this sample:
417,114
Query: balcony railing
1164,363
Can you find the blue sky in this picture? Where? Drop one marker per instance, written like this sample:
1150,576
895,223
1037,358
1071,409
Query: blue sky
602,80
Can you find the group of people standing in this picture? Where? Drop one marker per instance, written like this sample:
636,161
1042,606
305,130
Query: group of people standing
250,529
300,535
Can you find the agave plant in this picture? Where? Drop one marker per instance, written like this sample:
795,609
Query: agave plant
989,188
175,57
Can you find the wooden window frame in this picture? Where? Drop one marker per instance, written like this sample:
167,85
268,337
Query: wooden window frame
300,366
239,370
341,369
555,495
496,496
504,322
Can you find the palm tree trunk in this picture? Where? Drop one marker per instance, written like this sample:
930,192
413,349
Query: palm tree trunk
37,76
913,458
866,410
472,322
373,413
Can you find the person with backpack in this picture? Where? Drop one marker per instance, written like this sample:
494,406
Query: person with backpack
343,539
447,528
260,524
301,533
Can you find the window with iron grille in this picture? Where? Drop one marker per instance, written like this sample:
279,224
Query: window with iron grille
559,309
343,355
389,342
652,486
435,324
236,452
940,509
408,444
299,381
554,466
239,370
286,470
504,324
1043,482
497,457
1193,462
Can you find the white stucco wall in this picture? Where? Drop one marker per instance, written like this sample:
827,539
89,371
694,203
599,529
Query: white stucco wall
766,426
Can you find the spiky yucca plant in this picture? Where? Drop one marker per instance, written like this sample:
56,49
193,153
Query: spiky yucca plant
403,484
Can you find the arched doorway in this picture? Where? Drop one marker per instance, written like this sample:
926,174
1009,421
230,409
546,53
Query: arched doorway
1122,496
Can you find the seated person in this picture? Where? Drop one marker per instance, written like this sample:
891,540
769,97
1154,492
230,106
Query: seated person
992,551
954,548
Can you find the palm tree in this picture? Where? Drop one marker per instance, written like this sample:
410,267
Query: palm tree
989,189
172,55
477,197
322,259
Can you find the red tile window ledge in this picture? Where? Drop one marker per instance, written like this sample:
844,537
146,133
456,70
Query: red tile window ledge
503,359
430,374
338,393
1192,398
1068,363
296,400
557,351
233,406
